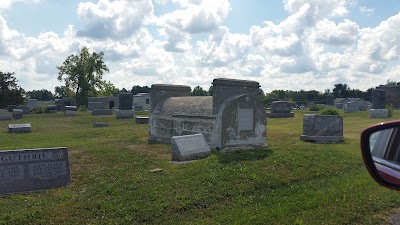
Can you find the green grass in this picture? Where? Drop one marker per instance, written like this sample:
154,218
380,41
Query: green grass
291,182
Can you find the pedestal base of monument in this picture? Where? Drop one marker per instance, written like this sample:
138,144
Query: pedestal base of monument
378,113
20,128
142,119
322,139
124,114
189,147
280,115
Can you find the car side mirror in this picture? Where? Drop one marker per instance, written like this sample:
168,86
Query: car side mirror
380,148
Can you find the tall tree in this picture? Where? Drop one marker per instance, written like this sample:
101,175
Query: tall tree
41,95
10,92
198,91
83,73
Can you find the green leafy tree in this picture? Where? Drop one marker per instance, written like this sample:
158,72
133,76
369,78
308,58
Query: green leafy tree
10,92
198,91
41,95
107,89
83,74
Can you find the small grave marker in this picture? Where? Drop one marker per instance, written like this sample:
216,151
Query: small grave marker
20,128
189,147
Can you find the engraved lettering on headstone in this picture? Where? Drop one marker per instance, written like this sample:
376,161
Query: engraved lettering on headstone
11,173
47,170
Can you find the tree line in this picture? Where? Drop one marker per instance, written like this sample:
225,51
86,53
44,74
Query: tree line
82,75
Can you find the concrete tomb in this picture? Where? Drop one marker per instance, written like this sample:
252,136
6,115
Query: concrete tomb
125,106
392,95
232,117
17,113
142,101
102,112
29,170
141,119
322,128
62,103
138,108
20,128
189,147
94,105
280,109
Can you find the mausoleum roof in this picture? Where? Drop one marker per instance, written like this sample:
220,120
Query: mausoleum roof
188,106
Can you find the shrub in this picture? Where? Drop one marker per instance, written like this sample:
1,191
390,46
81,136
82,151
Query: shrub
82,108
390,110
330,111
39,110
315,107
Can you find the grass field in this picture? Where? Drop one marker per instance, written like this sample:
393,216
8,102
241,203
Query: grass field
291,182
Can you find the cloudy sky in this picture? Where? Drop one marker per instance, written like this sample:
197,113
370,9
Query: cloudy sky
289,44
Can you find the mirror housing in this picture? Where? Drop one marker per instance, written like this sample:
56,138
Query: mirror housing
376,153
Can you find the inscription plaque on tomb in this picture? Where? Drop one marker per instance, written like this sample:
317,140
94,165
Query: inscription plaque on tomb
189,147
245,119
33,169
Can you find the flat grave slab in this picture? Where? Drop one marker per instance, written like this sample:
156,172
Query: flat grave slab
189,147
142,119
102,112
100,124
29,170
20,128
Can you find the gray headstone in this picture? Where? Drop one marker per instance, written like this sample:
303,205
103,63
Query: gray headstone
32,103
10,108
280,109
17,113
322,128
378,99
189,147
95,105
52,108
351,107
20,128
124,114
33,169
125,101
378,113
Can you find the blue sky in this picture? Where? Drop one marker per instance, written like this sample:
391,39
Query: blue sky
289,44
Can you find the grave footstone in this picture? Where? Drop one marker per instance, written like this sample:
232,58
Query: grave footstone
29,170
100,124
20,128
142,119
189,147
102,112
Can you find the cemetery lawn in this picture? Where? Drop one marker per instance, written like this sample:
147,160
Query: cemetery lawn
291,182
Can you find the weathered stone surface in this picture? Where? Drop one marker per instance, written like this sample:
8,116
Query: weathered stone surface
378,99
100,124
330,100
109,102
138,108
125,101
5,116
378,113
392,95
102,112
189,147
142,119
322,128
20,128
70,113
25,109
124,114
33,169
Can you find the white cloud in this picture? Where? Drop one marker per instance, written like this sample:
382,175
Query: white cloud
345,33
6,4
114,19
367,11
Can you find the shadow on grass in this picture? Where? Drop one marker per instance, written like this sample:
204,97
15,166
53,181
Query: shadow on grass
243,155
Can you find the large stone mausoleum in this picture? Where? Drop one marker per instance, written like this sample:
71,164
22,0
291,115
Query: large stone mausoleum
232,117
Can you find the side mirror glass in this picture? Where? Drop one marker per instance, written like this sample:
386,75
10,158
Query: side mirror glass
380,147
